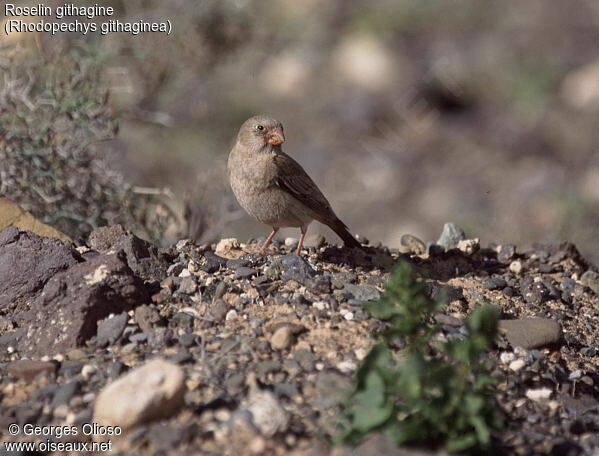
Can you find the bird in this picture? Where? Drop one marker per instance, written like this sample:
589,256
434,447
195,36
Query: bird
274,188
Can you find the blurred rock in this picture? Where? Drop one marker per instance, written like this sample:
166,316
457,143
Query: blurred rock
531,333
27,262
580,88
152,391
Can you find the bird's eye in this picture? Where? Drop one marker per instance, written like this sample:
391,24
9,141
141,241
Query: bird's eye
259,127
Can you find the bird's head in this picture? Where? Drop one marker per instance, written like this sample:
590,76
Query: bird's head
260,131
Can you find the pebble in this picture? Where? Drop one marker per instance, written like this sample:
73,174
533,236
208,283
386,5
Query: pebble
469,246
231,314
517,364
291,242
244,272
282,338
188,285
28,369
506,253
516,267
362,292
226,245
88,370
152,391
111,329
348,316
507,357
530,333
320,305
295,267
537,395
64,394
575,375
591,279
450,236
494,283
411,244
267,413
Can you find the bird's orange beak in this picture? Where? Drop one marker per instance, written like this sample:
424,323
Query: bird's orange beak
276,137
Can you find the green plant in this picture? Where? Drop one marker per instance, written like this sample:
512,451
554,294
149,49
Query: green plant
438,391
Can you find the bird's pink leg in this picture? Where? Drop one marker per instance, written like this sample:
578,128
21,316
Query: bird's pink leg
262,250
301,240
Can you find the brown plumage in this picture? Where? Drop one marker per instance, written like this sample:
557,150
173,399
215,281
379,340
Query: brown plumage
273,188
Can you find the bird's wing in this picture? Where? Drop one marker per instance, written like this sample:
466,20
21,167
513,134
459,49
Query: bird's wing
291,177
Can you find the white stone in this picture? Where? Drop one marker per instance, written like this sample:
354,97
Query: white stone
516,267
517,364
88,370
537,395
507,357
231,314
185,273
226,245
152,391
267,413
349,316
347,366
291,242
320,305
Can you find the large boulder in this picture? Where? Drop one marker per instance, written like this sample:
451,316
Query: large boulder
27,262
66,313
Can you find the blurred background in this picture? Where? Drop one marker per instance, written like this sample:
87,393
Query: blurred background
407,113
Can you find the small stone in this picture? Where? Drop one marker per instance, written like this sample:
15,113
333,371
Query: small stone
516,267
231,315
517,364
111,329
348,316
76,354
28,369
188,285
362,292
152,391
507,357
530,333
184,273
494,283
538,395
320,305
469,246
591,280
65,393
283,338
245,272
295,267
534,293
291,243
450,236
575,375
226,245
88,370
411,244
267,413
147,318
506,253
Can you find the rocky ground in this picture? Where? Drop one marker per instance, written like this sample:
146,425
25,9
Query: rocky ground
214,349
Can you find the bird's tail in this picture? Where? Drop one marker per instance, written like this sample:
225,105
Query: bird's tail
348,239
